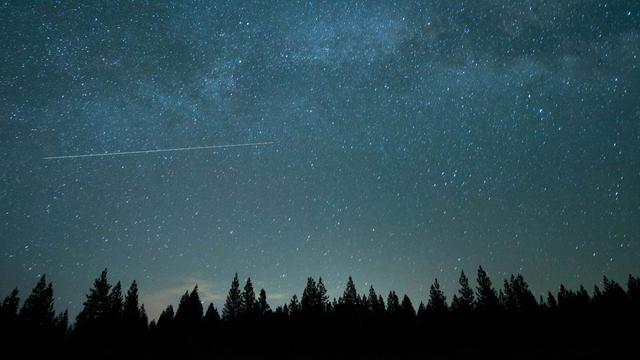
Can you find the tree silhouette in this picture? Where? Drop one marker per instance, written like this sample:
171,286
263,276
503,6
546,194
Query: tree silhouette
263,307
406,308
211,317
133,315
96,309
233,306
249,305
486,296
463,302
9,307
375,305
309,301
165,320
37,310
349,300
321,296
517,296
437,303
393,303
115,303
189,313
294,306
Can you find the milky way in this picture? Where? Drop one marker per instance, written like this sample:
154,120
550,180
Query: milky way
413,140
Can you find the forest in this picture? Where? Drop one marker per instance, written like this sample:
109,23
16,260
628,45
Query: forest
480,321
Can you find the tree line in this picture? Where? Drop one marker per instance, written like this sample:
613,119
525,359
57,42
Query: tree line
111,317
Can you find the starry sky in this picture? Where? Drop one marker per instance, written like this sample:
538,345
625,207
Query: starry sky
412,139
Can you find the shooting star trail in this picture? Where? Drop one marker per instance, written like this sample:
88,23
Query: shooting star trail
156,151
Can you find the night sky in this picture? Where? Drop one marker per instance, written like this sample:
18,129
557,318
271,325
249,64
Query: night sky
411,140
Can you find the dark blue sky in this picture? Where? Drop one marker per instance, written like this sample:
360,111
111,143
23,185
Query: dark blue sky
412,140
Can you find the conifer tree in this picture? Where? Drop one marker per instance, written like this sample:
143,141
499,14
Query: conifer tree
211,317
372,301
37,310
437,303
97,306
406,308
463,301
322,297
249,305
263,306
486,296
165,320
393,303
115,303
233,306
9,307
350,299
309,302
422,311
131,311
294,305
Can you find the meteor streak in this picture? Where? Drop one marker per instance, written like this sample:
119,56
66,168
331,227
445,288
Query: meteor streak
156,150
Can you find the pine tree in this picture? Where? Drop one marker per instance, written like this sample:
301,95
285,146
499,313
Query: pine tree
115,303
322,297
406,308
97,306
552,304
463,302
294,305
422,311
131,312
249,305
9,307
233,306
37,310
372,301
309,302
189,313
165,320
393,303
263,306
437,303
486,296
350,299
211,317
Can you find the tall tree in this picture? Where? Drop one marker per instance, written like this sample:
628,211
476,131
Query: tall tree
189,313
437,303
211,317
233,305
263,306
294,305
486,295
115,303
249,305
393,303
131,312
97,306
350,299
406,308
463,301
309,301
322,297
9,307
37,310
